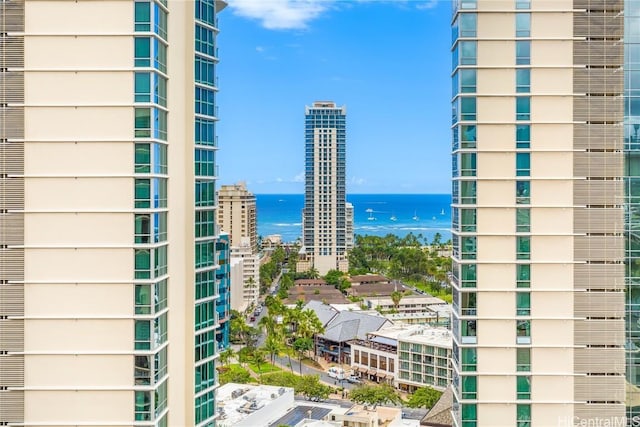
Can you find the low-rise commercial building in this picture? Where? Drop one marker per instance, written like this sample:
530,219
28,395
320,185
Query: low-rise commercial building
252,405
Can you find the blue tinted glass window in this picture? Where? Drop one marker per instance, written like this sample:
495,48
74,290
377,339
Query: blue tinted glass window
468,52
468,136
468,24
468,79
523,136
523,52
523,164
523,24
523,80
468,108
142,16
142,87
523,108
142,52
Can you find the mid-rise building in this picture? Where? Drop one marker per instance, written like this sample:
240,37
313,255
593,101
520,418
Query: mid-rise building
237,215
538,211
107,227
223,303
324,216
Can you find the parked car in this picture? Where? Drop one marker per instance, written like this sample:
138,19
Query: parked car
354,380
335,372
253,319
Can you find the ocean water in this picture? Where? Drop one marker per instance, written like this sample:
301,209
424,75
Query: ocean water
425,214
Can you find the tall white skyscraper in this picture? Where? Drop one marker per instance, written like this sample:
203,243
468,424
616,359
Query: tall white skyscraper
324,221
107,224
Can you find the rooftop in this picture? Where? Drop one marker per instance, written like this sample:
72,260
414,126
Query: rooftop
348,325
300,413
238,401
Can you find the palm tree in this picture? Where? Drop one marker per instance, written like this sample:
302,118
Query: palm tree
273,345
396,296
258,357
226,355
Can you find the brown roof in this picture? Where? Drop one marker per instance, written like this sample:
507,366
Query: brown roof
307,282
368,278
326,293
374,289
440,414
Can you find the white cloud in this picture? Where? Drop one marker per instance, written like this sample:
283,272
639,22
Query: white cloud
299,177
427,4
358,181
280,14
259,49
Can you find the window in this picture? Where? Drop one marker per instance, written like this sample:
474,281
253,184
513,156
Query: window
468,52
523,275
523,387
468,136
468,108
523,164
142,405
205,252
468,303
142,330
205,284
205,12
469,415
523,220
468,4
469,387
150,190
205,407
523,52
523,192
160,398
143,299
523,136
523,24
205,345
150,228
142,51
205,70
468,219
468,331
142,16
523,359
142,158
142,122
205,223
523,80
523,247
205,315
467,192
205,132
469,358
142,86
468,78
205,193
523,332
469,247
523,303
523,415
468,275
523,108
205,41
142,369
468,164
205,376
523,4
205,163
468,24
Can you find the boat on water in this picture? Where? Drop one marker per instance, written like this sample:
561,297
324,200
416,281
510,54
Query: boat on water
442,212
415,216
371,217
393,217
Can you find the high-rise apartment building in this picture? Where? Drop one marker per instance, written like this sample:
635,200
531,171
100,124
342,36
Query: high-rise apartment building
324,221
538,212
107,224
237,217
237,214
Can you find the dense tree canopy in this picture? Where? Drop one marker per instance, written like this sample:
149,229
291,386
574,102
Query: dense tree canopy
424,397
374,394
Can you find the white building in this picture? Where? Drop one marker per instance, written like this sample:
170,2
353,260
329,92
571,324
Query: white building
247,405
250,271
407,356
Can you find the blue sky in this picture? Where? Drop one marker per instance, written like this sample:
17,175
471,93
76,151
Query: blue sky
388,62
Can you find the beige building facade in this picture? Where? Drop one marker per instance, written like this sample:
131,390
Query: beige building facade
237,214
101,296
538,221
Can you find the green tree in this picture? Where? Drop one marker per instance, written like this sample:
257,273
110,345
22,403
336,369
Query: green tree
274,345
258,357
424,397
311,387
302,345
396,296
374,395
226,355
235,374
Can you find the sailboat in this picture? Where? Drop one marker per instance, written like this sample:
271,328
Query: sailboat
415,216
371,217
393,217
442,212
